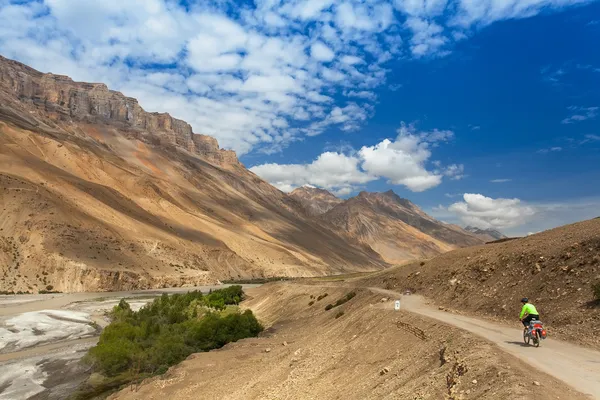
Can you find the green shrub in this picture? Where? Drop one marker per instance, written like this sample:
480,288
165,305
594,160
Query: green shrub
596,290
339,302
166,331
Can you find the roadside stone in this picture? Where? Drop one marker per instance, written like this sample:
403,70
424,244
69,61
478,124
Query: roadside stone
267,350
384,371
284,343
536,383
474,381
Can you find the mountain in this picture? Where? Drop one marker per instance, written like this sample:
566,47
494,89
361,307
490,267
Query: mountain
314,200
98,194
487,235
395,228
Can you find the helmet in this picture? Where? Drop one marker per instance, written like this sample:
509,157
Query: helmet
524,300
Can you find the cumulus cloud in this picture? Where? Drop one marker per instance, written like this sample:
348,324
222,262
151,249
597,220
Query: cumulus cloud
485,212
401,161
334,171
238,74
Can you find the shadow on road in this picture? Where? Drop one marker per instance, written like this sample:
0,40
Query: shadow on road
518,344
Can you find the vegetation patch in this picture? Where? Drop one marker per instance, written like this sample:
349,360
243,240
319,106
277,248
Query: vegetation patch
257,280
140,344
339,314
339,302
321,297
596,290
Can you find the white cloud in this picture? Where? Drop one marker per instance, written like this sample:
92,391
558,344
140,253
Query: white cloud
352,60
455,171
485,12
502,180
591,138
402,161
363,94
580,114
550,150
485,212
321,52
334,171
427,36
231,75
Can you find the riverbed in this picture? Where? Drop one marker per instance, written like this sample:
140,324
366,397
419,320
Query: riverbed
44,337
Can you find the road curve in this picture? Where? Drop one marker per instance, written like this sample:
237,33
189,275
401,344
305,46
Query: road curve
576,366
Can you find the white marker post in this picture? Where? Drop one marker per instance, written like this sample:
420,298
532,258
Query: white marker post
397,305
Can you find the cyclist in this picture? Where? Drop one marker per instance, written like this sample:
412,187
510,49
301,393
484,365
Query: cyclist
530,310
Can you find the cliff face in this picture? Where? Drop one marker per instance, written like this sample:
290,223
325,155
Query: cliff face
61,99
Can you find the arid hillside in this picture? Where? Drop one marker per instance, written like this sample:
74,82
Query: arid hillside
395,228
555,269
362,349
96,193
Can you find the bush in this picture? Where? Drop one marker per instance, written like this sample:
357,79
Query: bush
311,303
596,290
49,288
321,297
166,331
339,314
339,302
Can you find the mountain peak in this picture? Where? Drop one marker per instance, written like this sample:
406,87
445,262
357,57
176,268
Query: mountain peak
485,234
314,200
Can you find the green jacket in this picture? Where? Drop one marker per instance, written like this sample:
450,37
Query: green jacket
529,309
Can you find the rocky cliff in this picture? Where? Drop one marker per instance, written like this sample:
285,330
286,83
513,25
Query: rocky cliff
63,100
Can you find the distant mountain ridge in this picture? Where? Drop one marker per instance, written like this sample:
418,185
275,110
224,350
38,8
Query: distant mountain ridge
394,227
487,235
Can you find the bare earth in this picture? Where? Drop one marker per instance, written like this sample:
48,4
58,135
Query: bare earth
373,352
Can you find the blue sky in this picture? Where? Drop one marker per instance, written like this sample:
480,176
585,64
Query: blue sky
483,112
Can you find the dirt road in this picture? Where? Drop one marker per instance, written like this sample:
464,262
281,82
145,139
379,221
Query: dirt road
576,366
